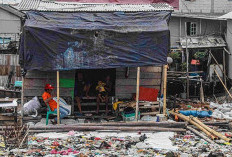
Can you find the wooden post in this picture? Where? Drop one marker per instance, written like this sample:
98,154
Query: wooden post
222,83
224,67
162,83
165,89
22,99
137,94
58,97
187,62
202,98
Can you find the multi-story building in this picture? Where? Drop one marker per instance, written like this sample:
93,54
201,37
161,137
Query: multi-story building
10,27
196,22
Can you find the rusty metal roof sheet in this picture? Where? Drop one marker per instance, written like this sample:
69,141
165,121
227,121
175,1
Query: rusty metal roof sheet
203,42
12,10
41,5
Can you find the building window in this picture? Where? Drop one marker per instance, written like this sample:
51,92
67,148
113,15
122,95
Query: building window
191,28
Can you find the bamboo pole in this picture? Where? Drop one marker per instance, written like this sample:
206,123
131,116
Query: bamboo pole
58,97
94,128
202,92
165,90
210,130
22,98
222,83
137,94
224,67
200,134
186,118
218,64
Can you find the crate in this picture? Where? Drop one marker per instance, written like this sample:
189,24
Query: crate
129,117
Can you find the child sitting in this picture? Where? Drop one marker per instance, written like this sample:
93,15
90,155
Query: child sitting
101,91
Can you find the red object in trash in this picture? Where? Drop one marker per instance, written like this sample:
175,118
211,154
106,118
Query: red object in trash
55,143
97,138
148,94
228,135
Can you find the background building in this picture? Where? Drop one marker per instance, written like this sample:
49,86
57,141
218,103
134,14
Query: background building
10,24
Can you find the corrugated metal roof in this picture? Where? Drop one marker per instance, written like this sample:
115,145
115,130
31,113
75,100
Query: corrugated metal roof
32,4
39,5
226,16
12,10
197,15
203,42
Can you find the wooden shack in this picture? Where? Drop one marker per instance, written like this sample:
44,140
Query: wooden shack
125,87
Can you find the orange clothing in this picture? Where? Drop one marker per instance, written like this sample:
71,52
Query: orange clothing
52,103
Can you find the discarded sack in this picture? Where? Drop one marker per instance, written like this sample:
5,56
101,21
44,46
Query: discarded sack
63,103
31,107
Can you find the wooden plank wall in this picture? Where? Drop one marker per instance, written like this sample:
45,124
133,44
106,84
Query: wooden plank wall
149,77
36,80
9,62
124,87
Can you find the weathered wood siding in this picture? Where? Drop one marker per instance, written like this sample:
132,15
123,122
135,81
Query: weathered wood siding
124,87
149,77
9,62
36,80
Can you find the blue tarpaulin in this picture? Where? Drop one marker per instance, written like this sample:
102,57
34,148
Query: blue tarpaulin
87,40
200,114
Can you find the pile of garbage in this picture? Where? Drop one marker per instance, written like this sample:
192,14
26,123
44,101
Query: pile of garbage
97,144
222,111
85,144
191,145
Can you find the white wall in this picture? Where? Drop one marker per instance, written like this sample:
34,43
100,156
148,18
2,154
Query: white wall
204,27
206,6
9,23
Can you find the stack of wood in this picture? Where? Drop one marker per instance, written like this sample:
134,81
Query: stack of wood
15,135
209,132
145,108
8,111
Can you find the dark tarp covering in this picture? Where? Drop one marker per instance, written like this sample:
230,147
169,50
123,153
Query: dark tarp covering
65,41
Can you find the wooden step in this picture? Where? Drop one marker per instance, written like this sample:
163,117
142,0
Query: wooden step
94,104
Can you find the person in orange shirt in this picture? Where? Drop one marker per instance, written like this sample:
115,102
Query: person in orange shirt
48,99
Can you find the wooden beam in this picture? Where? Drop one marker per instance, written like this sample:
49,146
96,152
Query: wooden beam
5,118
200,134
224,67
22,97
61,128
137,94
149,113
222,83
165,90
58,97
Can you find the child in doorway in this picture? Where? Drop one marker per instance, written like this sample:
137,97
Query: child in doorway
101,91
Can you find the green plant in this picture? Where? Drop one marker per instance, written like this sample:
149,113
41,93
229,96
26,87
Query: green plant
176,56
183,66
200,55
